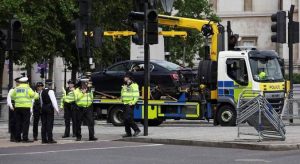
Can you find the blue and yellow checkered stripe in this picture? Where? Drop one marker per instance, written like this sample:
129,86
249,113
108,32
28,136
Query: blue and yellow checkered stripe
226,88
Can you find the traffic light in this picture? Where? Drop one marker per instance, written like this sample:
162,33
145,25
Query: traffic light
232,41
98,35
152,26
85,10
138,37
79,37
3,39
279,27
293,32
15,43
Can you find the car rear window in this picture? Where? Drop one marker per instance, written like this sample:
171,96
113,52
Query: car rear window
168,65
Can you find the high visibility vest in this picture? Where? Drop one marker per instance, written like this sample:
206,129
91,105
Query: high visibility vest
83,100
67,97
130,94
262,75
23,96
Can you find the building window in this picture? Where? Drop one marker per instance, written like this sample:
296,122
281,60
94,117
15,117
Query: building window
248,41
248,5
214,4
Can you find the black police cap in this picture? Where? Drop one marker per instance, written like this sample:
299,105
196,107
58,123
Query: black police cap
39,84
48,81
129,75
17,79
71,81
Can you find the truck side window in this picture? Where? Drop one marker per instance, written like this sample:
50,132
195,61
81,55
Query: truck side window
237,71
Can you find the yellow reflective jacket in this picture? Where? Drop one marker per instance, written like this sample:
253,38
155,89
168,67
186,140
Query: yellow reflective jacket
36,96
83,99
23,96
130,94
68,98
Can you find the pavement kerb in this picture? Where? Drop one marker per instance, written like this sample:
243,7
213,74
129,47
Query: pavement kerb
218,144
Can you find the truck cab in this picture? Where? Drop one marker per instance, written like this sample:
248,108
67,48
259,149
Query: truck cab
248,70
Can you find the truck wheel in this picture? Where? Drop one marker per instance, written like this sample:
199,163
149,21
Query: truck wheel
155,122
227,115
116,116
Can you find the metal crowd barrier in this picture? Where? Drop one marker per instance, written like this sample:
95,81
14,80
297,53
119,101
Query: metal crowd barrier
291,108
257,112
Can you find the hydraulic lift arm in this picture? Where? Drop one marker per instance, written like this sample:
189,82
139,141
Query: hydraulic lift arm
208,28
200,25
118,34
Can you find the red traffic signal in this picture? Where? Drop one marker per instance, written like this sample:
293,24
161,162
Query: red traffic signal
279,27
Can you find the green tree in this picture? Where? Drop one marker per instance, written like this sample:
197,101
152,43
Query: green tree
111,15
46,28
198,9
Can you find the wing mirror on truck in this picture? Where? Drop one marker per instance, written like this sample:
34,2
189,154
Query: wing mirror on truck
281,63
207,73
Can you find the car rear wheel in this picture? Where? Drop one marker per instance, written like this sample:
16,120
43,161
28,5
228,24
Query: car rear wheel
117,116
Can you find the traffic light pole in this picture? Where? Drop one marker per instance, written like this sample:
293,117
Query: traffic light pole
290,45
146,70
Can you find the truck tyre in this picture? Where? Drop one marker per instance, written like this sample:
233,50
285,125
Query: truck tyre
116,116
226,115
155,122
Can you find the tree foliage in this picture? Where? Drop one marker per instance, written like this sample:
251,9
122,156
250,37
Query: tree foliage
47,29
198,9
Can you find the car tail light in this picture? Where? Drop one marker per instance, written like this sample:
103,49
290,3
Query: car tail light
175,76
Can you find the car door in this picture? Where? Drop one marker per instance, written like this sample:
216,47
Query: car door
113,79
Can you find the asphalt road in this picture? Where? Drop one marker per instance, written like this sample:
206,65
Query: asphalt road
115,152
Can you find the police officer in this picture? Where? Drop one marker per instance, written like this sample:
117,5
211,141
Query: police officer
37,110
23,96
11,114
67,104
48,104
84,99
130,96
262,75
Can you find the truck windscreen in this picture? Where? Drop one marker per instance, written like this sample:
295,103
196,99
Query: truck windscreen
266,69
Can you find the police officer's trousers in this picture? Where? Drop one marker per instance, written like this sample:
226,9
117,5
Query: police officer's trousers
36,119
129,121
87,114
47,122
22,116
69,115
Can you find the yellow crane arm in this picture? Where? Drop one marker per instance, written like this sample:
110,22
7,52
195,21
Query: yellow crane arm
118,34
193,24
173,33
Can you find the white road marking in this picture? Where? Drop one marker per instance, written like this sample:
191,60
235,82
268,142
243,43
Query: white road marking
252,160
72,150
